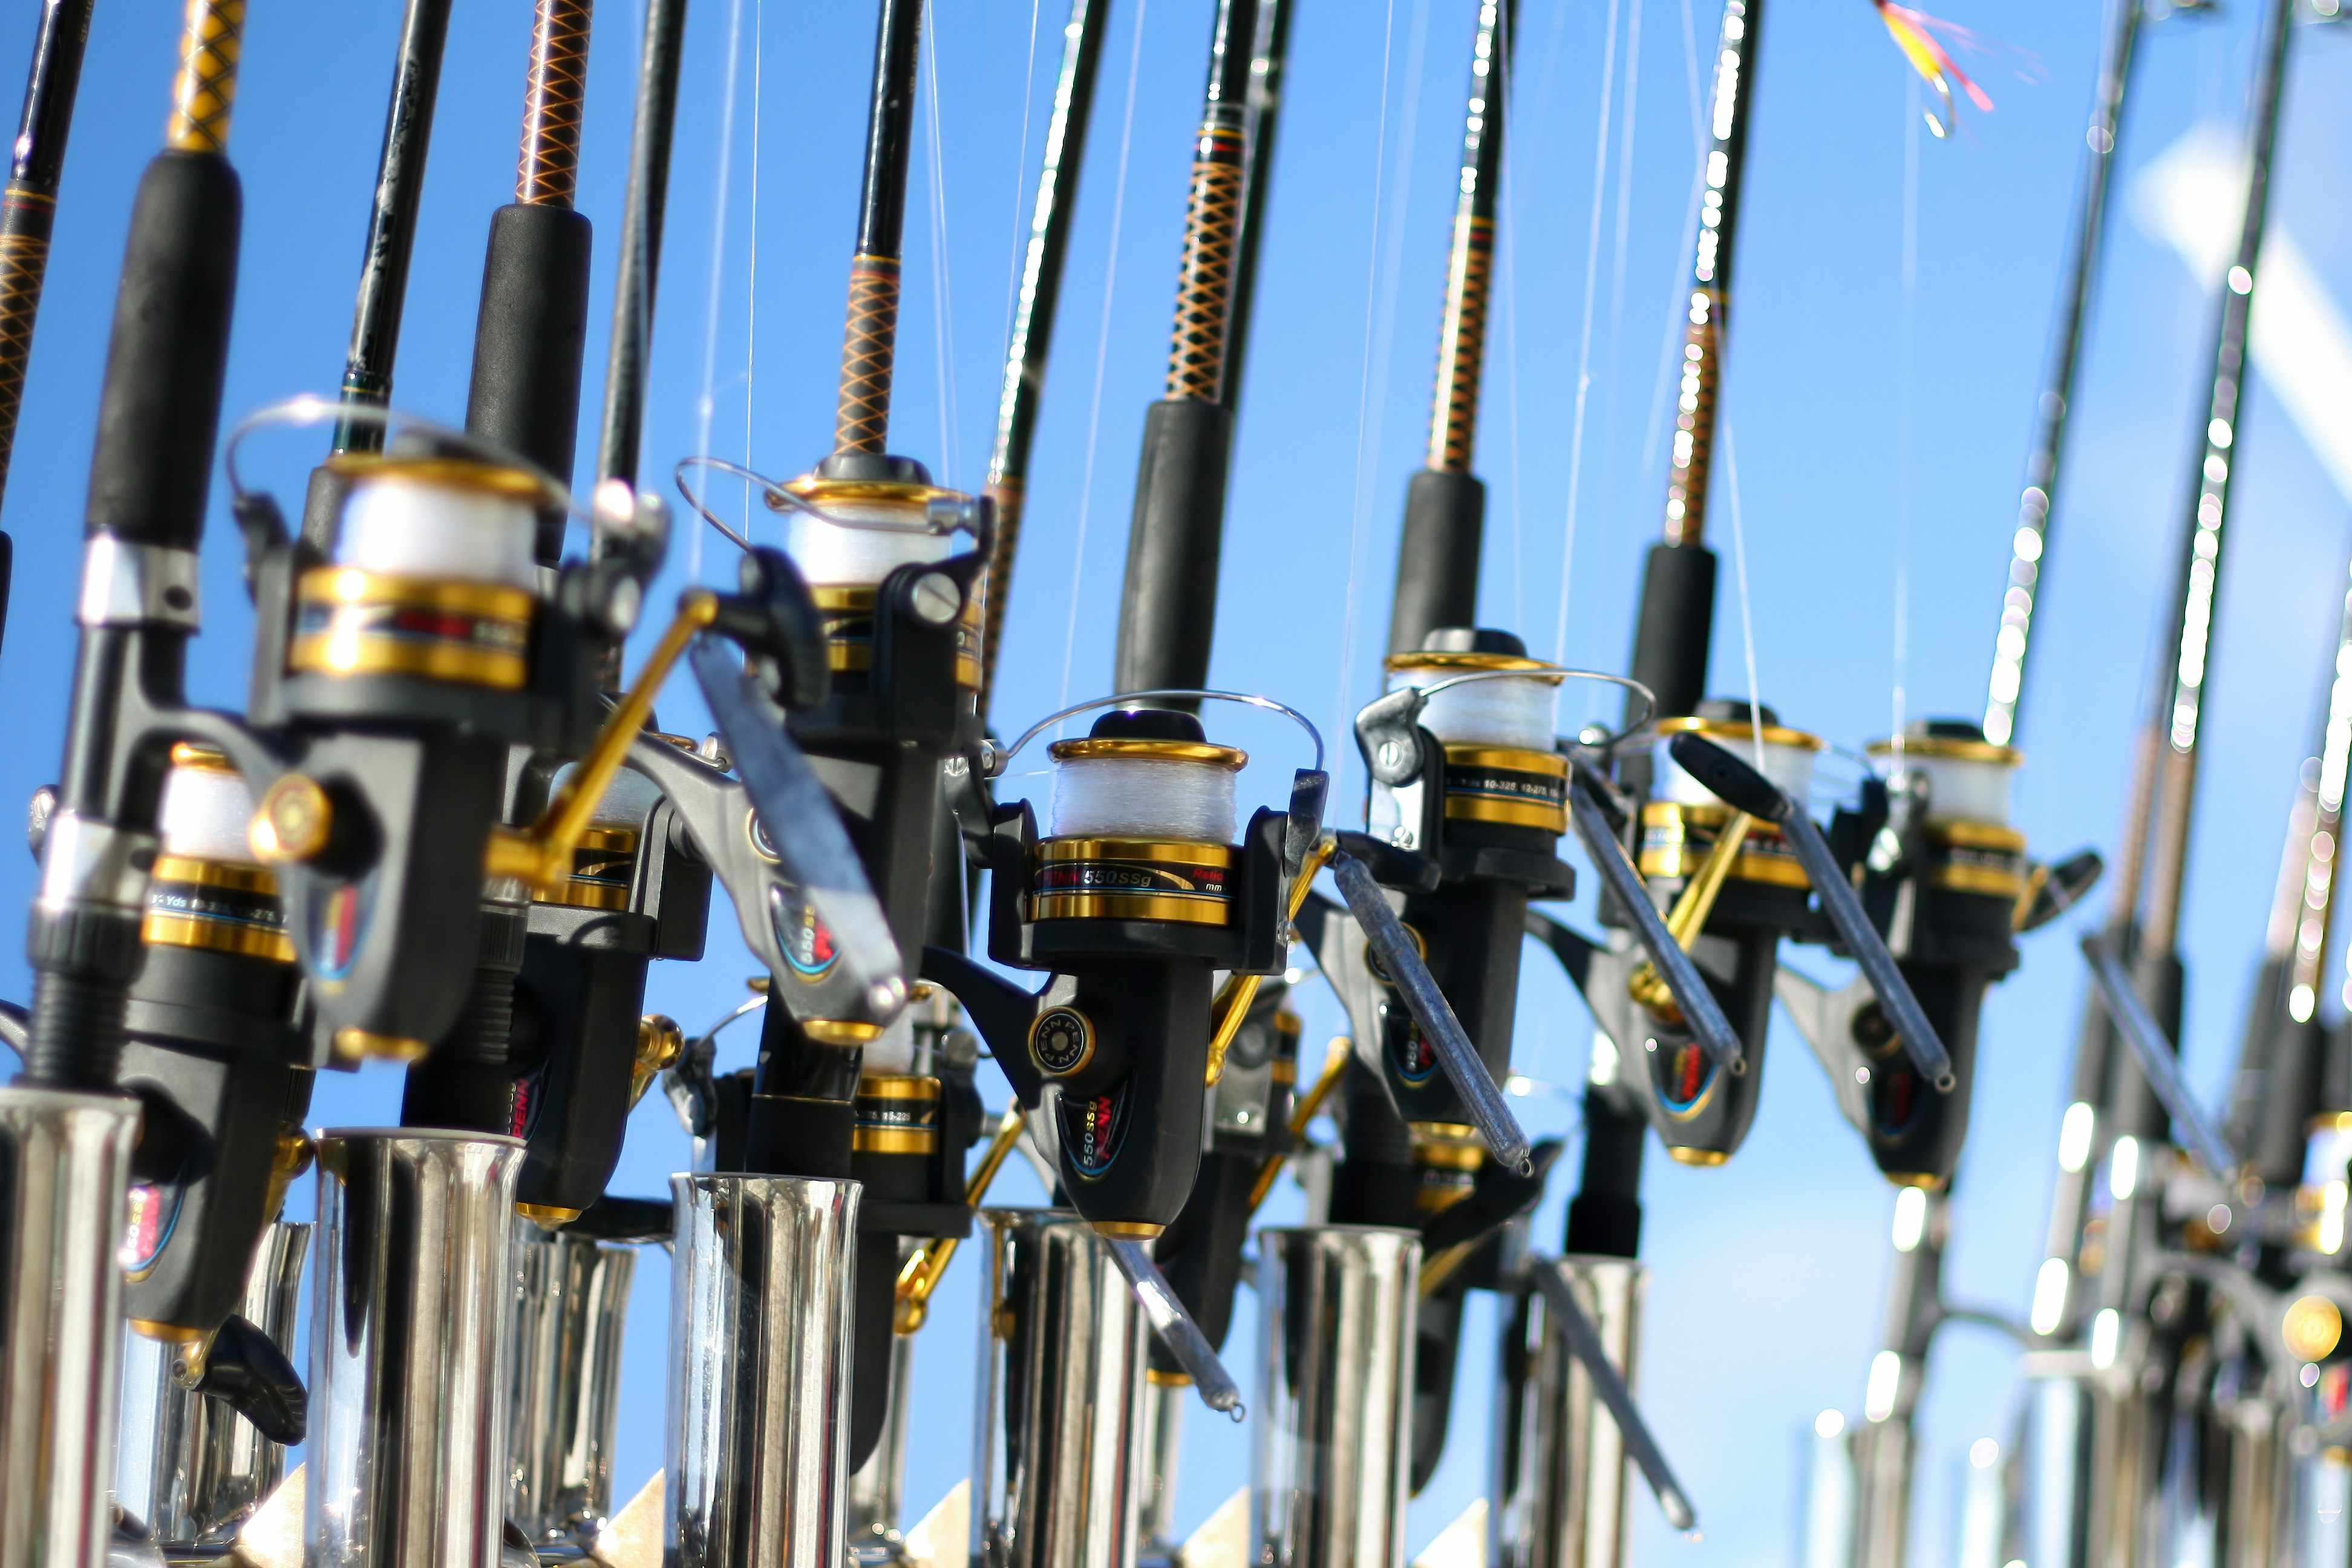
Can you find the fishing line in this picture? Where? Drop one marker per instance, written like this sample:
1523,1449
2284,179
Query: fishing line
1584,341
1506,83
1746,610
1626,120
706,408
751,265
1907,351
1102,355
942,285
1360,521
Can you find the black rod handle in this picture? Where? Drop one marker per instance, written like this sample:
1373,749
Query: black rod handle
1167,612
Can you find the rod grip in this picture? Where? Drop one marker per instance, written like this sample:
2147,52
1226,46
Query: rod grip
1437,564
159,410
1678,618
2162,986
1168,609
1605,1216
529,339
2292,1087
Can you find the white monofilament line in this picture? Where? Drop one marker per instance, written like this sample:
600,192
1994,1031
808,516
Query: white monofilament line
1584,337
1102,356
1907,397
707,406
1360,518
942,281
1746,610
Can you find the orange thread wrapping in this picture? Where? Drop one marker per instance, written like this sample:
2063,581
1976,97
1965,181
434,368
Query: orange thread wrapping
554,99
868,350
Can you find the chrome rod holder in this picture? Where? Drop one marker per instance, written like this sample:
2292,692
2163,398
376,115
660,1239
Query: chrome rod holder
760,1314
185,1465
411,1306
1337,1308
1057,1476
877,1488
1562,1502
65,1172
571,1303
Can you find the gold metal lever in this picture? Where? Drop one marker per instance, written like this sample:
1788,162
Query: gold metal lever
541,854
1335,1064
919,1276
1689,916
1241,990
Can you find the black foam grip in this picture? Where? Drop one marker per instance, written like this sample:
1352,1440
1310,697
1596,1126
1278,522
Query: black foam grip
1437,562
159,408
2162,985
2292,1086
1604,1218
528,340
1168,609
1678,618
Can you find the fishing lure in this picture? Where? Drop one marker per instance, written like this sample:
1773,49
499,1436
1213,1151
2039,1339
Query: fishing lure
1914,34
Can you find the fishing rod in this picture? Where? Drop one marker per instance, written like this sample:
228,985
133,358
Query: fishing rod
1408,1153
1469,797
1035,307
637,270
524,397
2029,546
1167,601
71,1123
2129,1131
390,241
1261,121
28,210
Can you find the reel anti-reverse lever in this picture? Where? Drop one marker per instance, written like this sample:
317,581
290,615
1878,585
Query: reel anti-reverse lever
2155,1058
1748,791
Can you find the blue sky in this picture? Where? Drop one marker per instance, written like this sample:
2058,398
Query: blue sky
1765,1301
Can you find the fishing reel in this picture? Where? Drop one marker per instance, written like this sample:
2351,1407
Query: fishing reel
392,675
212,1052
1249,1133
1949,880
1467,800
1138,896
1733,888
893,565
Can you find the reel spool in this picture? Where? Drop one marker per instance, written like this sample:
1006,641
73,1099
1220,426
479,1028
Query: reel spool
393,681
1470,788
1953,899
1138,896
850,534
1740,903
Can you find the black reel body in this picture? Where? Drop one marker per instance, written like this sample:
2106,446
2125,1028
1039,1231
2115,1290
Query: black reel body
1133,929
1701,1110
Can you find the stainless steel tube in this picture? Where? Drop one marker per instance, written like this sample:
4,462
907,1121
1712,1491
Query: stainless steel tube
572,1300
1164,1431
877,1488
1058,1447
186,1465
760,1303
1560,1489
1338,1306
64,1167
411,1304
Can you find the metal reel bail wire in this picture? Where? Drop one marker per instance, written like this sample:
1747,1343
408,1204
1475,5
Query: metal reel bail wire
943,517
602,513
1604,741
